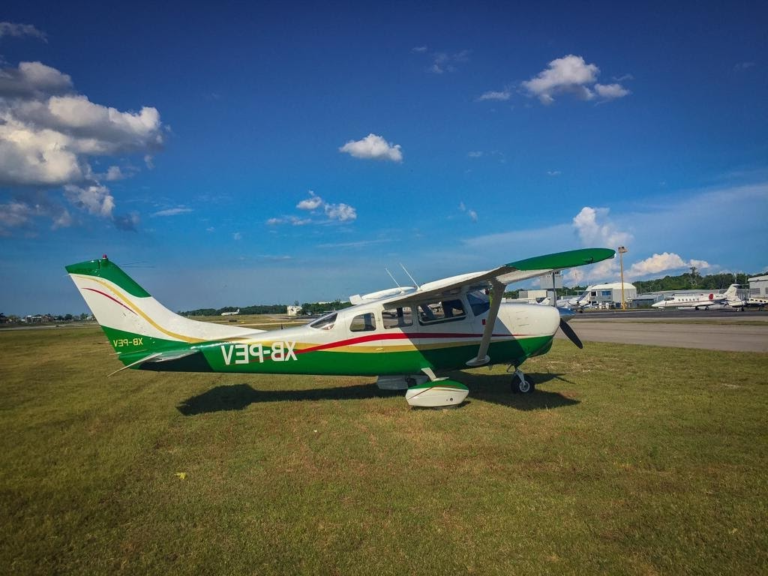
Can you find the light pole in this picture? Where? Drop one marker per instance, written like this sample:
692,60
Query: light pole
622,251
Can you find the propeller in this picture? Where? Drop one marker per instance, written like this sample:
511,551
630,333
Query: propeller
568,331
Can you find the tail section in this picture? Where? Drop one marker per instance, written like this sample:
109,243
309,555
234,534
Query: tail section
732,295
132,319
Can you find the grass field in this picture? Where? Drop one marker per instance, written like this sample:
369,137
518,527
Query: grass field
628,460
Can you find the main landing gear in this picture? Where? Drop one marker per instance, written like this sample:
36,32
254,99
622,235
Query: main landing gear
522,384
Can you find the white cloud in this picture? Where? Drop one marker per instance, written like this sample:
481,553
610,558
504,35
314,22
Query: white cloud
312,203
502,95
292,220
173,211
373,147
553,172
594,229
48,134
419,49
341,212
475,154
94,198
237,236
571,75
149,161
210,229
611,91
333,212
14,215
114,173
19,30
662,263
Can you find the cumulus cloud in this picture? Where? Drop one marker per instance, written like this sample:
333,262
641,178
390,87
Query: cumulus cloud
49,134
611,91
501,95
341,212
373,147
95,199
662,263
594,229
21,213
312,203
16,30
114,173
571,75
318,207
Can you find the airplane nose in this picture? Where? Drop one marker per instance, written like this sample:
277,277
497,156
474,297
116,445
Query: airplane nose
549,318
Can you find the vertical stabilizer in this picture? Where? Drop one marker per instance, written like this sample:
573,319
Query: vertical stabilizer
132,319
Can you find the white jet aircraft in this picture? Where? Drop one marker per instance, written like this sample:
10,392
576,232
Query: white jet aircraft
703,300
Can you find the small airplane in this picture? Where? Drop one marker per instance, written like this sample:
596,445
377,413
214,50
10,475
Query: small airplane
746,301
705,300
402,335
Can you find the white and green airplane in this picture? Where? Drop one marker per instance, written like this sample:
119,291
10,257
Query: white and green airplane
403,335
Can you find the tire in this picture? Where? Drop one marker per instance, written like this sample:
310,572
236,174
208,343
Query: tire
518,387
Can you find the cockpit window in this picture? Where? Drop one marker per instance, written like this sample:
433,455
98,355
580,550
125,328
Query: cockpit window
479,302
324,322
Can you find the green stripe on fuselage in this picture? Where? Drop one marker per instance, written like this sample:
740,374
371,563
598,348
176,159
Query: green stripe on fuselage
370,363
234,357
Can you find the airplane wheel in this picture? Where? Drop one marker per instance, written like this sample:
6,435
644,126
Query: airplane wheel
522,386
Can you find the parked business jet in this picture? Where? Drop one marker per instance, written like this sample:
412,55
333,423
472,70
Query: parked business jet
703,300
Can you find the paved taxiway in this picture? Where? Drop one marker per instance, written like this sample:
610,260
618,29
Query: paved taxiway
737,338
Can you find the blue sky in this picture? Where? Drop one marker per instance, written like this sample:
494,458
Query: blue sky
278,152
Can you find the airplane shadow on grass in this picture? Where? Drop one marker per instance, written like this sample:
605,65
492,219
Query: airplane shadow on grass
488,388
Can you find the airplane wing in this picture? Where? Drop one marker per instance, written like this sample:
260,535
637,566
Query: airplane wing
496,280
503,275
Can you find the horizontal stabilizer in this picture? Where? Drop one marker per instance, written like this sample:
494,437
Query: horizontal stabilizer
160,357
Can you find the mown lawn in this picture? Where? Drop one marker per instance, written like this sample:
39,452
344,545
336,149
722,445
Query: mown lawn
628,460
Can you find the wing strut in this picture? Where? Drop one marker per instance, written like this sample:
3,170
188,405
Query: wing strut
497,294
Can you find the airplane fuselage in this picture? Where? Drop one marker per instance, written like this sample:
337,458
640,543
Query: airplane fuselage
348,346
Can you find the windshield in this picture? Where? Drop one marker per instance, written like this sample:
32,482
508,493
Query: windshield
324,322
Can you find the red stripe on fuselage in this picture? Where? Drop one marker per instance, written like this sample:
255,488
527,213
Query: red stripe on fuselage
110,297
395,336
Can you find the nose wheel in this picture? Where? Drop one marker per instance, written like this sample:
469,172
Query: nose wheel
522,384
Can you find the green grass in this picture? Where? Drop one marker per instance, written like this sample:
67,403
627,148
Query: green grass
627,460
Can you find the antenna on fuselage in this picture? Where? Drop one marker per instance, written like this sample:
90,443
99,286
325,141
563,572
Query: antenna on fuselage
411,277
393,278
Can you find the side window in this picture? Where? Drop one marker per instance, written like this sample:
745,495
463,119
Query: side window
479,302
397,318
363,323
444,311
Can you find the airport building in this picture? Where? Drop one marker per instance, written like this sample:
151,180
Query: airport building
758,287
293,310
608,295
